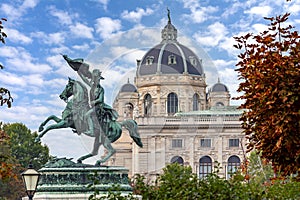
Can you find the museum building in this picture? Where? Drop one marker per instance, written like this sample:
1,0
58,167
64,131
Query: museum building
179,118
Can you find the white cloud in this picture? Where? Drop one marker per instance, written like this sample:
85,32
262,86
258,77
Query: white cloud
227,45
106,26
294,9
14,12
263,11
16,36
82,47
136,16
64,17
103,2
199,15
259,28
11,79
216,33
234,8
51,38
55,60
9,52
56,38
60,49
9,11
29,4
81,30
23,62
30,84
198,12
58,83
190,3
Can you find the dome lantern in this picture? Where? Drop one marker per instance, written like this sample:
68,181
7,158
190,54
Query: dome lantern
169,33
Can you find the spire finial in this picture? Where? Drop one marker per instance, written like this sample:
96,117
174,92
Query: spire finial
169,17
218,79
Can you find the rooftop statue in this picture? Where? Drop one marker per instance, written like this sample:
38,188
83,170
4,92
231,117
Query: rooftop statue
90,116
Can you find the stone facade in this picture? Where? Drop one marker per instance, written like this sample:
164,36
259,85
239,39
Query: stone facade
179,119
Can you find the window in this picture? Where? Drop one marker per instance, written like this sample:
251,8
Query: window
196,102
171,59
177,159
172,106
128,110
205,166
233,165
234,143
147,104
219,104
177,143
149,60
193,60
205,142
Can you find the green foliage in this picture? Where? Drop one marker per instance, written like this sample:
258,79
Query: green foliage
23,146
178,182
260,170
18,149
269,69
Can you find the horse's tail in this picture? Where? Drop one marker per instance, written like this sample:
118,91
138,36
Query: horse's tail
132,127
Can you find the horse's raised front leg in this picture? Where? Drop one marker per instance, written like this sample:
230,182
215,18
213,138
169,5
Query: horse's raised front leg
111,151
94,152
51,117
60,124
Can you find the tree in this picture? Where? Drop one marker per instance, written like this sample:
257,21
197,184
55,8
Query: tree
2,34
23,145
20,150
259,170
270,73
6,161
9,171
5,97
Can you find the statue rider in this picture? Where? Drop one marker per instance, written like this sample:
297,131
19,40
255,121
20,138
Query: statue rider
104,112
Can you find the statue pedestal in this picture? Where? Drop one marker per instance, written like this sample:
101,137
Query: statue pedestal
79,181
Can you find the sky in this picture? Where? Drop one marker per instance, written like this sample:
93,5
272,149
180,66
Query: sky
111,35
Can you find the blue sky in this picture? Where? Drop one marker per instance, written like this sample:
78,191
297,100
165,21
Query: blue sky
111,35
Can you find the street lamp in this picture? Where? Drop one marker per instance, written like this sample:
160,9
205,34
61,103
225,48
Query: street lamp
30,179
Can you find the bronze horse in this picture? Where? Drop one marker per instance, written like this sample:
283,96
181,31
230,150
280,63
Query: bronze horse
106,130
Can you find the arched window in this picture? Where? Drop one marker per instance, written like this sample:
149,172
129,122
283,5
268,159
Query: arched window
172,107
171,59
128,110
147,104
149,60
219,104
205,166
177,159
193,60
233,163
196,102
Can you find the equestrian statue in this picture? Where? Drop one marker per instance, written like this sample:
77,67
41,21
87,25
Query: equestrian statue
87,113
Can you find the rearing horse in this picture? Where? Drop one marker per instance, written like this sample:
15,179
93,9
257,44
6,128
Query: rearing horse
106,130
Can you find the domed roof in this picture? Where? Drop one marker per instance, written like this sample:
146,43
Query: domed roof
170,57
219,87
128,87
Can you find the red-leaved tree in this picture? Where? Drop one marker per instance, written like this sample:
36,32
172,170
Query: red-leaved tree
270,73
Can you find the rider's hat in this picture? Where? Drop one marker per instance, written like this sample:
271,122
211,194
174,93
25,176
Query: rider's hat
98,73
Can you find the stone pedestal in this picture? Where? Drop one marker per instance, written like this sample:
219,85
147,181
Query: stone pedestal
65,179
